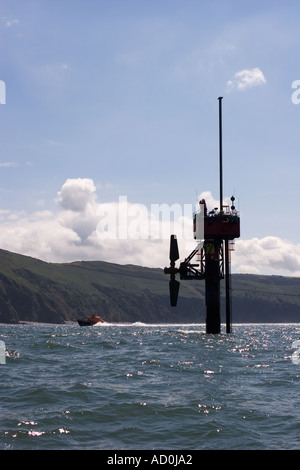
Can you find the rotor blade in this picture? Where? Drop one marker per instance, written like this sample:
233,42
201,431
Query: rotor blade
174,289
174,253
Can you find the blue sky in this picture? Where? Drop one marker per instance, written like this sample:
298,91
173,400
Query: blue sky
123,96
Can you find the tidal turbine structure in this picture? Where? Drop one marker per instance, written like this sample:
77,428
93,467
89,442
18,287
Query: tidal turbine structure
215,233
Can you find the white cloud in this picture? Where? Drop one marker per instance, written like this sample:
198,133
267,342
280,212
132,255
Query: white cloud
246,79
76,194
138,236
8,164
9,22
71,233
13,164
268,255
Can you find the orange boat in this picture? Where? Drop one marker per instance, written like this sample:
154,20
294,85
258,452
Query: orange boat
91,320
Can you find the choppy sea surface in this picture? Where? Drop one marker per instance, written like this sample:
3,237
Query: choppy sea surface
141,386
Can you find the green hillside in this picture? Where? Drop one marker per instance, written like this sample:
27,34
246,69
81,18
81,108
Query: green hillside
32,290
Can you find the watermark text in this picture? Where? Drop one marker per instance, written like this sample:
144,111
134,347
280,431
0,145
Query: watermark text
122,220
2,353
296,93
2,92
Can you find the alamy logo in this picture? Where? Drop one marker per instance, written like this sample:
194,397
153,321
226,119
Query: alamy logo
296,354
296,94
2,353
2,92
134,221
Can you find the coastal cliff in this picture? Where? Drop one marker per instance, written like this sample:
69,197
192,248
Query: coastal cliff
32,290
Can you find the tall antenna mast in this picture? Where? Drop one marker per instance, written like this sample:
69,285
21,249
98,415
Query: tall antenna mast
221,156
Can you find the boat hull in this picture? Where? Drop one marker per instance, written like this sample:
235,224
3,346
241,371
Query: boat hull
86,323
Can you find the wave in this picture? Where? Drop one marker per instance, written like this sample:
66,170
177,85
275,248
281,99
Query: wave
157,325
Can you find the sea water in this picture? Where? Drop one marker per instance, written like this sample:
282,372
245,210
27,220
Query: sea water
140,386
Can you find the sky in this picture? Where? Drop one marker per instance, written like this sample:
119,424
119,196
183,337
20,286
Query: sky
109,112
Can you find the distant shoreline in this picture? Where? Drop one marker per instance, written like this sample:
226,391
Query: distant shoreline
120,323
35,292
